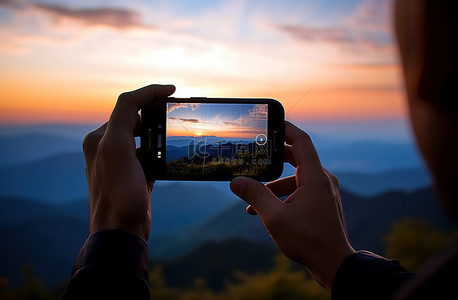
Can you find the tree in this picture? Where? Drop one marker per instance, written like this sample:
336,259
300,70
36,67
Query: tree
281,283
414,241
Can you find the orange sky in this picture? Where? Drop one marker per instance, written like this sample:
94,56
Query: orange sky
219,133
62,67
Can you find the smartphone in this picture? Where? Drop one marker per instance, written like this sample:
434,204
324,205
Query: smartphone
212,139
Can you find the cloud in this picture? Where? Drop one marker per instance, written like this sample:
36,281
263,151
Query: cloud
367,28
172,106
231,123
368,66
114,17
373,14
258,112
195,121
311,34
8,3
355,40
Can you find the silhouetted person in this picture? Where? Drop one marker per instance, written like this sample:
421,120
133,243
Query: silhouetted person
308,227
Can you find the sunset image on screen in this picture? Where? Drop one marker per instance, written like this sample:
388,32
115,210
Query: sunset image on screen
216,138
243,121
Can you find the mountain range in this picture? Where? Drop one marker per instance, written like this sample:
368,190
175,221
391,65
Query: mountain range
196,152
31,168
32,146
181,141
44,205
47,236
366,157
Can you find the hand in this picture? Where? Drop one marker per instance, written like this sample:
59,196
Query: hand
120,196
308,227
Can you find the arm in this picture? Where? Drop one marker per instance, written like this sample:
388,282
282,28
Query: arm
114,259
309,228
112,264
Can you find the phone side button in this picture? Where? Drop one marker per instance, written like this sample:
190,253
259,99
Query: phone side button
149,139
275,140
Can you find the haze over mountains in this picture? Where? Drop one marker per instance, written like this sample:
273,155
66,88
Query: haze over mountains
44,203
181,141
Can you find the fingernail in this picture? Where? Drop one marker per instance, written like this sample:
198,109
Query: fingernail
238,185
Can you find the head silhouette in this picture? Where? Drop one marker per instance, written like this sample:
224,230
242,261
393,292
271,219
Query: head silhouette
427,33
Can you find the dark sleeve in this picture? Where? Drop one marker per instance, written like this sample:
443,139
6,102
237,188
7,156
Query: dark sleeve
365,275
112,264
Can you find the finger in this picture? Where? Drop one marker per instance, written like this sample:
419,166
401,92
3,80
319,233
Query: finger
136,131
125,114
251,211
289,158
283,186
150,185
304,154
256,194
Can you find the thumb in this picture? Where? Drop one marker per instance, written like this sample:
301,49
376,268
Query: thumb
256,194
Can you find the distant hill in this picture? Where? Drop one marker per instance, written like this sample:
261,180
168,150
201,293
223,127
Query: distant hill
216,262
48,245
16,211
368,220
195,152
372,184
57,179
29,147
231,223
368,157
178,206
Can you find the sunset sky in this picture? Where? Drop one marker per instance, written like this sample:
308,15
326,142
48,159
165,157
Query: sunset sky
244,121
67,61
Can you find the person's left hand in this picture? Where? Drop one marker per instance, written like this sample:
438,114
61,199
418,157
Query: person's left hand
120,196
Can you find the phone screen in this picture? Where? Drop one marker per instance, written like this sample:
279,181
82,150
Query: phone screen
216,139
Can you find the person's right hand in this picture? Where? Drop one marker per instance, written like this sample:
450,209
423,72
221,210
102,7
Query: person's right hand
308,227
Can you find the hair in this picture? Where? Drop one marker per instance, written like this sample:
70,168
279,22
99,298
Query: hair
439,78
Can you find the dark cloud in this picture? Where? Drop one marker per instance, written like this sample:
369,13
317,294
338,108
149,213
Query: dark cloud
190,120
9,3
185,120
119,18
347,38
230,123
312,34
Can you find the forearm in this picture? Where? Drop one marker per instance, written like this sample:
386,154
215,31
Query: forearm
111,264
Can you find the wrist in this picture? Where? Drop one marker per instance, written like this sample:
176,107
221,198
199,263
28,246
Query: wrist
139,231
325,273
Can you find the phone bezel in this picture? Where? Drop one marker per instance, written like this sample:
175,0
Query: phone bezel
153,128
